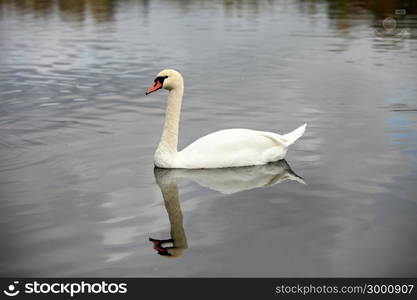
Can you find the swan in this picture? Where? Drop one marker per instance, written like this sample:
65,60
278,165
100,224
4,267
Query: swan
220,149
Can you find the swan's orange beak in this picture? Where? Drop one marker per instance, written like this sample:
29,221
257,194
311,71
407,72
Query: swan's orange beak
154,88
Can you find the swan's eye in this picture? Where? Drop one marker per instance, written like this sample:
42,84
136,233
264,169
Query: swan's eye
160,79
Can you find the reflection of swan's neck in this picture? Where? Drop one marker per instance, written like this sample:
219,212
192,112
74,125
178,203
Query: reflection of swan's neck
169,138
169,188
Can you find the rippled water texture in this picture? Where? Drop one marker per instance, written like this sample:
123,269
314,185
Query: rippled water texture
79,195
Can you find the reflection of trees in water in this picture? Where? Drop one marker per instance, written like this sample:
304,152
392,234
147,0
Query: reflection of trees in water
342,14
69,10
103,10
72,10
380,9
345,14
39,8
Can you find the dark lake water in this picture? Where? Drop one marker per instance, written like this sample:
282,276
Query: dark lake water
79,195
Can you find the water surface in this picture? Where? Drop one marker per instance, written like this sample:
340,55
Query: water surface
79,195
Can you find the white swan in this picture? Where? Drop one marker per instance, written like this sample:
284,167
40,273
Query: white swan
220,149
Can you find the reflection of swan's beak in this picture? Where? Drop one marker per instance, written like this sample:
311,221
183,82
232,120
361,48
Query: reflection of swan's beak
167,251
157,245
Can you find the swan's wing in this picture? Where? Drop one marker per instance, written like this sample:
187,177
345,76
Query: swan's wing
233,147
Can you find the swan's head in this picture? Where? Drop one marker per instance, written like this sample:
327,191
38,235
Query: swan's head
168,79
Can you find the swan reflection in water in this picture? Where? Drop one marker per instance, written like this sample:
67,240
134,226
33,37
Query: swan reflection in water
225,180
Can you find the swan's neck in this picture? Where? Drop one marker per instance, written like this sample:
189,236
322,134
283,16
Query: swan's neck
169,138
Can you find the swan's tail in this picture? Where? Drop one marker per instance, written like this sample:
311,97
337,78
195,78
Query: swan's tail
294,135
